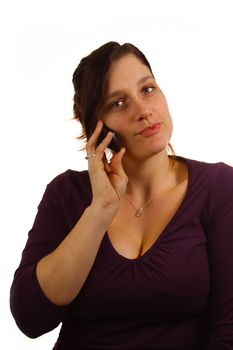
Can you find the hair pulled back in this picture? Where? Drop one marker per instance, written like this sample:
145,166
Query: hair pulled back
89,81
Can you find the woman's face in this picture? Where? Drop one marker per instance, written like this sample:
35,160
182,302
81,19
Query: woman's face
135,108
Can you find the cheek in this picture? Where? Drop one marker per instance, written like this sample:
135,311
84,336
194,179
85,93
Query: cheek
170,124
118,125
166,115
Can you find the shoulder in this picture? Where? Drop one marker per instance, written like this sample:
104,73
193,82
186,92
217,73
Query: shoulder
213,174
70,178
68,185
211,186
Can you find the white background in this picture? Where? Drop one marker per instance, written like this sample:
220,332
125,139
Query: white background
189,45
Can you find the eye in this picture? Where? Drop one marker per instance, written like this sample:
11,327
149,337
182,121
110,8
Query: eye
148,89
116,104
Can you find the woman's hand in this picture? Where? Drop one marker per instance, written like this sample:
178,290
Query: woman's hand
108,180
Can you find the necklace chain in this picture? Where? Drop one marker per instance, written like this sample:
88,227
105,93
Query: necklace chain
139,211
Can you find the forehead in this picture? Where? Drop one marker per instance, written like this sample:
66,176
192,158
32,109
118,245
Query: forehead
126,70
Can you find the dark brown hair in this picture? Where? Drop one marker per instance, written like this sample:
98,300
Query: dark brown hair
89,80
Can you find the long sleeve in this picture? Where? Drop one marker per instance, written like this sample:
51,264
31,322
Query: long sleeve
33,312
220,251
186,277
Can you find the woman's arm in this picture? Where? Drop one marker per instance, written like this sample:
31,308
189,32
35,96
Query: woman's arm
56,262
220,251
62,273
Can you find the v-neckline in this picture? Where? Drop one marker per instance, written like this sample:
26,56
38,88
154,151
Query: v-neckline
165,229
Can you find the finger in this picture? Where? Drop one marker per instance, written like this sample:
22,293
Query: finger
116,162
105,142
106,164
91,143
98,158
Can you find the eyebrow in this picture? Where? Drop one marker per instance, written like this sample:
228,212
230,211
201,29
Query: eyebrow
119,92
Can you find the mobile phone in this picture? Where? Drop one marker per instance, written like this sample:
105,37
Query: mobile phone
114,145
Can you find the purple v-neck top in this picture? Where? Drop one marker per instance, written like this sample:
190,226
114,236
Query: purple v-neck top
177,296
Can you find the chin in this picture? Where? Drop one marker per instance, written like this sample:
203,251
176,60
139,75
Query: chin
157,147
158,151
147,154
148,149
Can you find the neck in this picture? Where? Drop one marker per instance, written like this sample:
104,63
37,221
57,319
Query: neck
148,177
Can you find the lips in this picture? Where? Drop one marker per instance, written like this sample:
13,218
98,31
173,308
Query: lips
150,130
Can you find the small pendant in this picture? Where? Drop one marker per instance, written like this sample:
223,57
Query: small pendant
139,212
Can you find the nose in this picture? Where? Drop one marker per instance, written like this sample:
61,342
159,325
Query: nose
146,114
142,110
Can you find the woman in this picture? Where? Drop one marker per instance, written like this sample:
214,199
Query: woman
136,253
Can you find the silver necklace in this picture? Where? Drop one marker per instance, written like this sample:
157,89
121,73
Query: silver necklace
139,211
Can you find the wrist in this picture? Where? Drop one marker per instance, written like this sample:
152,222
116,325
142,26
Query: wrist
104,210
